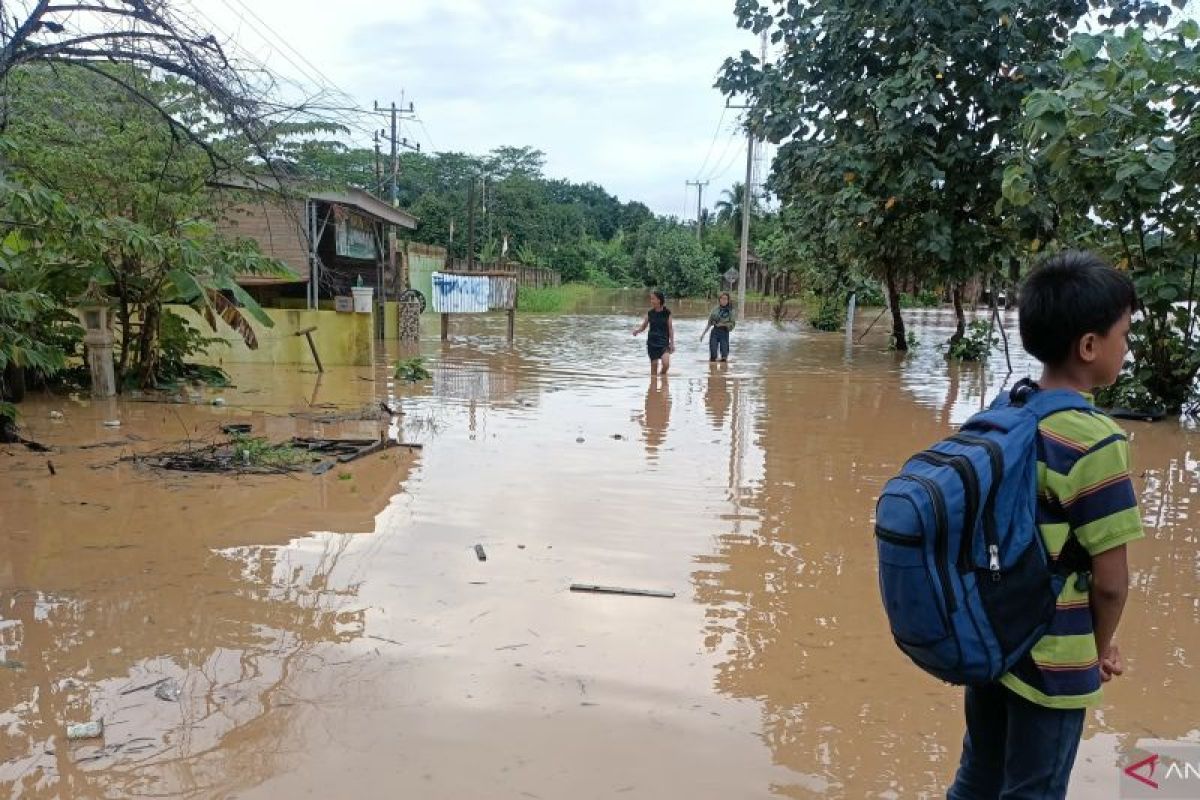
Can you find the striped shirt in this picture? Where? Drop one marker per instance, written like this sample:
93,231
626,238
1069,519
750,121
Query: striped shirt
1085,488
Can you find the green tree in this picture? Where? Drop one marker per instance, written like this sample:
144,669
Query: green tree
729,209
680,265
98,188
1114,161
895,120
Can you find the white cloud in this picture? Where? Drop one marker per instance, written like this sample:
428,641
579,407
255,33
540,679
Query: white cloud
617,92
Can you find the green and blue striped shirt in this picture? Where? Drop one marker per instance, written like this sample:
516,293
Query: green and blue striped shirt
1085,488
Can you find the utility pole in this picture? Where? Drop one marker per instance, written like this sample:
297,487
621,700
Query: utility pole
747,199
398,115
699,206
471,225
378,166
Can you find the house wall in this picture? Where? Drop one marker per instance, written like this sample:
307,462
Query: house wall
278,227
342,339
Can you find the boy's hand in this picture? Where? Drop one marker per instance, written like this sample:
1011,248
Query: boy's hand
1111,664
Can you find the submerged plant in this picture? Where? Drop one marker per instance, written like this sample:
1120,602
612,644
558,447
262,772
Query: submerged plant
976,345
412,370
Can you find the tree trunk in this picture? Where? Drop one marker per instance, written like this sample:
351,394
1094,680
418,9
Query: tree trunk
126,317
148,345
899,336
960,330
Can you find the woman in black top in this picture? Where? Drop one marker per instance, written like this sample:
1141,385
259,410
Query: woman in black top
661,341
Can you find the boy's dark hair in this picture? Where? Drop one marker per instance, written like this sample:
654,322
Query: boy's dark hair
1069,296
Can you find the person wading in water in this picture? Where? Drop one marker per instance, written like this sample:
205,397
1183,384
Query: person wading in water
661,341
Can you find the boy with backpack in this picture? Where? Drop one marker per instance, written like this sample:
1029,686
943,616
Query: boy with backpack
1006,570
1023,732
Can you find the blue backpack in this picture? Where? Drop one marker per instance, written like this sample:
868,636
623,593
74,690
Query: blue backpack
965,576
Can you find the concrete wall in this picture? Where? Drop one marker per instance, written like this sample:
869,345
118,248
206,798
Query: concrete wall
342,339
423,261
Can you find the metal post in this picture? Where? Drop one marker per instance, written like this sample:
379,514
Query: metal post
744,252
313,277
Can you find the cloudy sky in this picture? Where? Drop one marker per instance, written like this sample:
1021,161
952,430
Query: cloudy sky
614,91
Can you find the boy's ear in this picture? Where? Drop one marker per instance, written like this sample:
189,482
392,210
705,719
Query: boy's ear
1085,348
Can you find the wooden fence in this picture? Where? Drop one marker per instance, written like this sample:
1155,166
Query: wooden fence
527,277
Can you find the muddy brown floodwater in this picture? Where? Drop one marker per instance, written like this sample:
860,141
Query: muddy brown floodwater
336,636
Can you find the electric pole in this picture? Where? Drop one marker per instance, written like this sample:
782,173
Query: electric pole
378,167
471,224
398,115
747,199
699,206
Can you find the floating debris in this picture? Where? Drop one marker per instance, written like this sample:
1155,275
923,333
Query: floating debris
595,589
168,691
86,730
112,423
56,415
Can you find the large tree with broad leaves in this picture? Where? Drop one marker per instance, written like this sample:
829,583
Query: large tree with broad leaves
895,119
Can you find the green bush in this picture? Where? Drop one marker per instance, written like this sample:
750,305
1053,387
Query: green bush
976,345
1128,392
829,314
681,266
412,370
871,296
926,298
178,341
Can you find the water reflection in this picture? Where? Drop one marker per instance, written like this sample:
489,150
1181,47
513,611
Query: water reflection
656,415
118,582
332,663
716,394
793,615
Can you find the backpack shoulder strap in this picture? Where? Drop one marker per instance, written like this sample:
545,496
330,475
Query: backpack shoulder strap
1052,401
1042,403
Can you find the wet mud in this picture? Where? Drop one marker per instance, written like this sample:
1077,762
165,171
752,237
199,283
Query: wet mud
336,635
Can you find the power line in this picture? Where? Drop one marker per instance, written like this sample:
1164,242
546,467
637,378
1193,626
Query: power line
713,143
728,159
329,82
323,84
424,130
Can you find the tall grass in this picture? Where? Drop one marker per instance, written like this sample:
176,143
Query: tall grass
552,299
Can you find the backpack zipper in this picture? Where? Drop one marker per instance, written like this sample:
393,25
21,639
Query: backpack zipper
897,539
940,543
989,506
970,481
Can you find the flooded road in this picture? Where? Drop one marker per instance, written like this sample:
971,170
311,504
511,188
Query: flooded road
337,636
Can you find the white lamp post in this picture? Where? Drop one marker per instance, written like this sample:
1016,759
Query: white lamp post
96,315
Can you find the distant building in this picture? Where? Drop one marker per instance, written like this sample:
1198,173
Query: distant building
328,238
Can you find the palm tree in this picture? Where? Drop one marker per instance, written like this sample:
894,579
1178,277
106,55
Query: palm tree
729,208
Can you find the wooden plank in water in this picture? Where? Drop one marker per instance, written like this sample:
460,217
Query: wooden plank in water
594,589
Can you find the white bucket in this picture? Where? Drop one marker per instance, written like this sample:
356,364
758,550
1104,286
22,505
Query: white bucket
362,298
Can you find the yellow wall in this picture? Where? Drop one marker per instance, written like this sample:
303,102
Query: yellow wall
391,320
342,339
